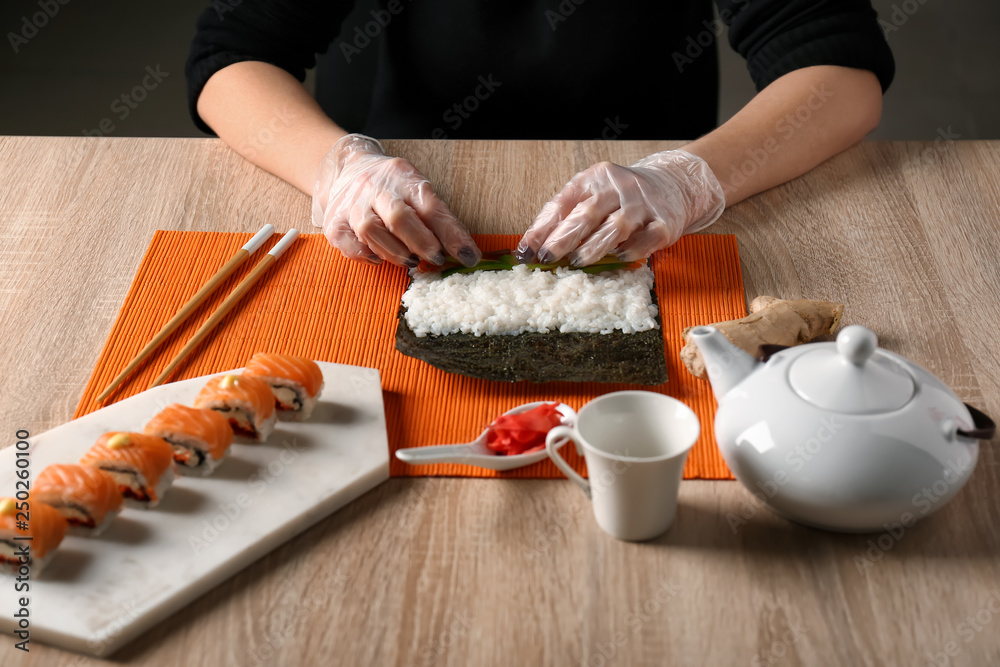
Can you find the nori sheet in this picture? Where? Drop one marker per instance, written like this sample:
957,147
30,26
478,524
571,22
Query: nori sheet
635,358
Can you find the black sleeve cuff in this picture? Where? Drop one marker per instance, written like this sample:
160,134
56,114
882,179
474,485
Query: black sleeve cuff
779,37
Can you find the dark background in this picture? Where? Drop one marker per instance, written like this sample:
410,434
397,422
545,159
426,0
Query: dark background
66,78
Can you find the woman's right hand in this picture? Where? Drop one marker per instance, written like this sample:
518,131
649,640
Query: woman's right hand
373,207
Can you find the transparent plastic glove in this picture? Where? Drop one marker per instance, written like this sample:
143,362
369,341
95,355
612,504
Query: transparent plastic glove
629,211
373,207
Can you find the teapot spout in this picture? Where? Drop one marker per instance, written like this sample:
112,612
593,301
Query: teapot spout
726,364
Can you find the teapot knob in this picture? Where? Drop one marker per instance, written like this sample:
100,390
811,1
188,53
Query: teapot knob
856,344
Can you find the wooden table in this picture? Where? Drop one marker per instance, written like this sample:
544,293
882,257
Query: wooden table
476,572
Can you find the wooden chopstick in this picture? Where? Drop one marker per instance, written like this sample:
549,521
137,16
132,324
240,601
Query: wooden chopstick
241,255
262,266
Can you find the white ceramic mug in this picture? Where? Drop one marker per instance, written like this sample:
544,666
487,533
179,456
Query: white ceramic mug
635,444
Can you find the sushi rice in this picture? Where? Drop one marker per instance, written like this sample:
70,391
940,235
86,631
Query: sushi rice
135,479
523,300
84,531
198,460
162,484
9,559
289,392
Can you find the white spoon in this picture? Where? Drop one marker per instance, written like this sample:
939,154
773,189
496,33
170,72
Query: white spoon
476,453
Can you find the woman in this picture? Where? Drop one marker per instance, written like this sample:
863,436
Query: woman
557,69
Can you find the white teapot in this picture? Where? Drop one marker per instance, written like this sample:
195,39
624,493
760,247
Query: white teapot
842,436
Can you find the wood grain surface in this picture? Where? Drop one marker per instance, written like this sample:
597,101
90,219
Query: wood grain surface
488,572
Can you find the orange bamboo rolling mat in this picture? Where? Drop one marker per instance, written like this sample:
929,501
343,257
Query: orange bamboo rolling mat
315,304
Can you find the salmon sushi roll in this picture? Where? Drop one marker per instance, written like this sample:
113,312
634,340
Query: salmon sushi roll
88,498
200,438
142,465
44,525
246,401
295,382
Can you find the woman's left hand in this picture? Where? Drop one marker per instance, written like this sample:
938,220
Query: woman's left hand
630,211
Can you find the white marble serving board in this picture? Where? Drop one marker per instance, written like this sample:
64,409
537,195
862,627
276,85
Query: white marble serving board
99,593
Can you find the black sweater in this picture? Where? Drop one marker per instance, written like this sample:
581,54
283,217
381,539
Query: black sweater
540,69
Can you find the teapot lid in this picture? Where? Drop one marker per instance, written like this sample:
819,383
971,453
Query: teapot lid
852,377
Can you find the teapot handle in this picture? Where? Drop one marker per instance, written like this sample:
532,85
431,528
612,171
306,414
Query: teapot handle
985,428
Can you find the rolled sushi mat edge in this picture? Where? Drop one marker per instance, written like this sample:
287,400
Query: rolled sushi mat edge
316,304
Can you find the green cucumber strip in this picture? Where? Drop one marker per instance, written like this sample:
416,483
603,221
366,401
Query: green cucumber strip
507,262
601,268
482,266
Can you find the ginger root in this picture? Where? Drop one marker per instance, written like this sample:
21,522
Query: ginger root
771,321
